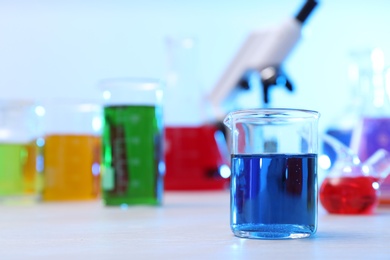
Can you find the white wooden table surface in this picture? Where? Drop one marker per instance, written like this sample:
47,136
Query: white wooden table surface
189,225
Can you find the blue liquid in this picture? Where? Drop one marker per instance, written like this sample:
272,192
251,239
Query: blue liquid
274,196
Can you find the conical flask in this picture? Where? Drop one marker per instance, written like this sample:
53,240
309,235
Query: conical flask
352,186
196,156
373,129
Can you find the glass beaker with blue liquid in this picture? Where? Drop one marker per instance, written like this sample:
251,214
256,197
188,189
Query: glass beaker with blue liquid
274,193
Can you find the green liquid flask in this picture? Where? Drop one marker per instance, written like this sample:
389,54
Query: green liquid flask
132,163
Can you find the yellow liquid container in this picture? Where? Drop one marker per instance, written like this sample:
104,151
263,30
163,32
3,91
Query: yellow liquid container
71,167
69,149
30,175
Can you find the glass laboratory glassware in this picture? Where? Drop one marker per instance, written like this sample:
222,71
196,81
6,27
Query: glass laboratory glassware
343,125
132,141
351,186
70,149
373,129
196,155
274,173
18,150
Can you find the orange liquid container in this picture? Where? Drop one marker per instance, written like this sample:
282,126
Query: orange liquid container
71,167
29,169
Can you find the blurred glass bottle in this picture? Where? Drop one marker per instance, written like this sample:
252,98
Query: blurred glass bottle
18,151
343,125
373,129
196,150
70,149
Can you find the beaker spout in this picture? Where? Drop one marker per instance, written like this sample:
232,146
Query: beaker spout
228,121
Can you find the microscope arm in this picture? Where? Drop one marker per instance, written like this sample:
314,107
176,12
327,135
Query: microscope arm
261,49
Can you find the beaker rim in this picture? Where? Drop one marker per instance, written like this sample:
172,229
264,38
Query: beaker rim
276,113
130,82
15,103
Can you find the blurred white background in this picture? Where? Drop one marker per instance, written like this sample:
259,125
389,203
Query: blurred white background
63,48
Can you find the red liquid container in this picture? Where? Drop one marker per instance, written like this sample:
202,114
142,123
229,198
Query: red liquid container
352,187
349,195
370,136
195,158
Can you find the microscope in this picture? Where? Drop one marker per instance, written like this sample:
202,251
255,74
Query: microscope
259,62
